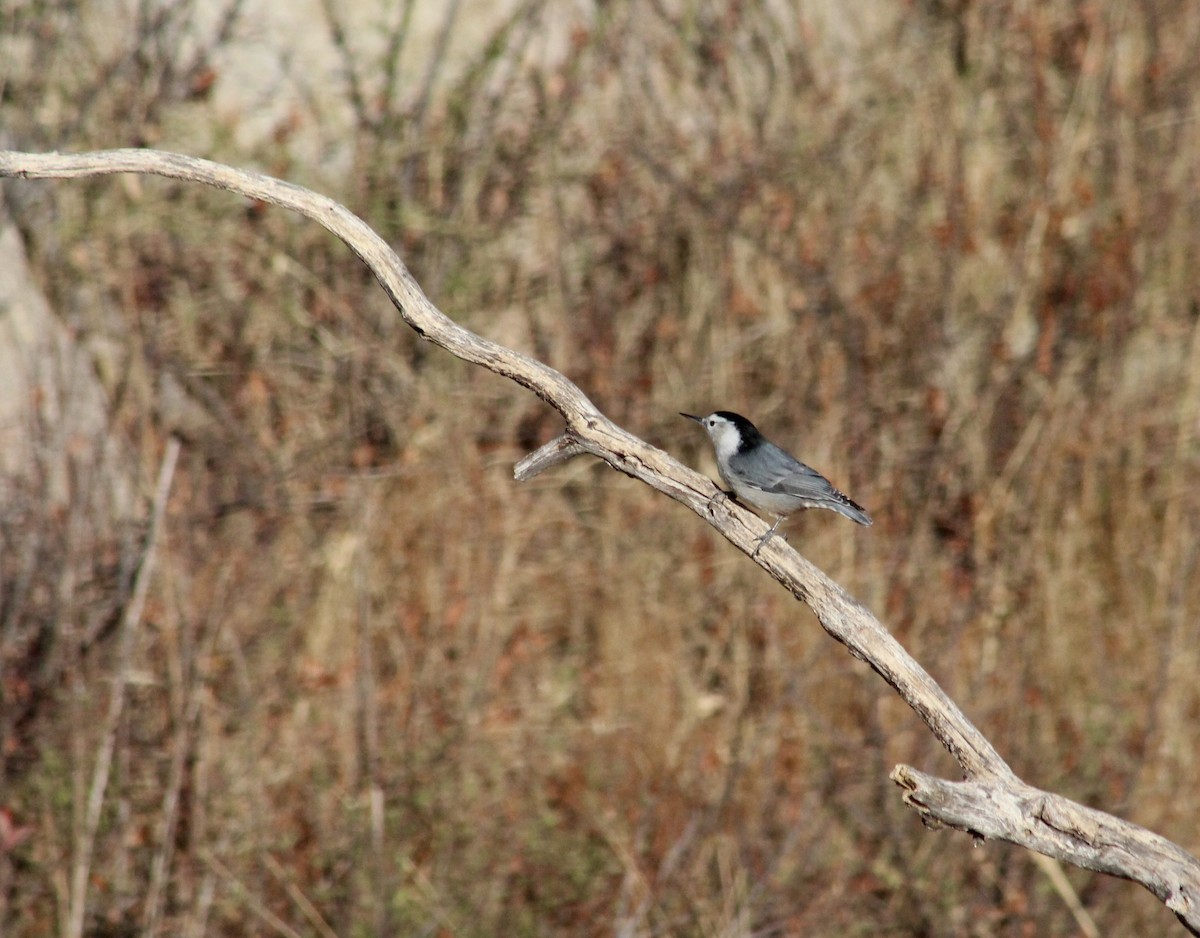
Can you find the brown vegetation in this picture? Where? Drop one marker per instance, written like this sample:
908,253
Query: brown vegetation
381,688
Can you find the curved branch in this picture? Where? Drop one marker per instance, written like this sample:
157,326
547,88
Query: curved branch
993,802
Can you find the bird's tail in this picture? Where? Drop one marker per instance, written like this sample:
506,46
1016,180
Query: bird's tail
843,505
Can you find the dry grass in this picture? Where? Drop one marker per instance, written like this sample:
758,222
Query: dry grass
382,689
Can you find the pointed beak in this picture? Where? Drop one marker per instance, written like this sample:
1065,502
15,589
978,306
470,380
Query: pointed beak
691,417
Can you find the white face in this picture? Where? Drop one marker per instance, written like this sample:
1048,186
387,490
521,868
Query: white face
724,435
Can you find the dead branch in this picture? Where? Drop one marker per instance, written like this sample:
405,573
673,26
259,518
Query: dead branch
990,803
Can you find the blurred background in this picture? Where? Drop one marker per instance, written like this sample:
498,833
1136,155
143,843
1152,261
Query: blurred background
943,250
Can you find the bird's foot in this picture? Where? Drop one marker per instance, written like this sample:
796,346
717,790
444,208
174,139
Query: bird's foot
721,496
766,537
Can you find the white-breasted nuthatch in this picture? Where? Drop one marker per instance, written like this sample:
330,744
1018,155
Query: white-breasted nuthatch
768,478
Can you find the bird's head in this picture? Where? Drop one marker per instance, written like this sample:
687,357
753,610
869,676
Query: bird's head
730,433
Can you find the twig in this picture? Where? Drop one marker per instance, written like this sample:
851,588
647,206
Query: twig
310,911
1058,879
253,902
129,628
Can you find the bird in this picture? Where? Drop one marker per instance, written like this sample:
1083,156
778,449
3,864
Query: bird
767,477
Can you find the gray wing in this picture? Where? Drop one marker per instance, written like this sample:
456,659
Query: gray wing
776,472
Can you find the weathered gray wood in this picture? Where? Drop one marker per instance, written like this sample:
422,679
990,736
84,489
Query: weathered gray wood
1010,810
992,802
559,450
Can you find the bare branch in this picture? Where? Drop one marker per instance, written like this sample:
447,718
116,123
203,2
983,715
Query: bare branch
993,802
1057,827
559,450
